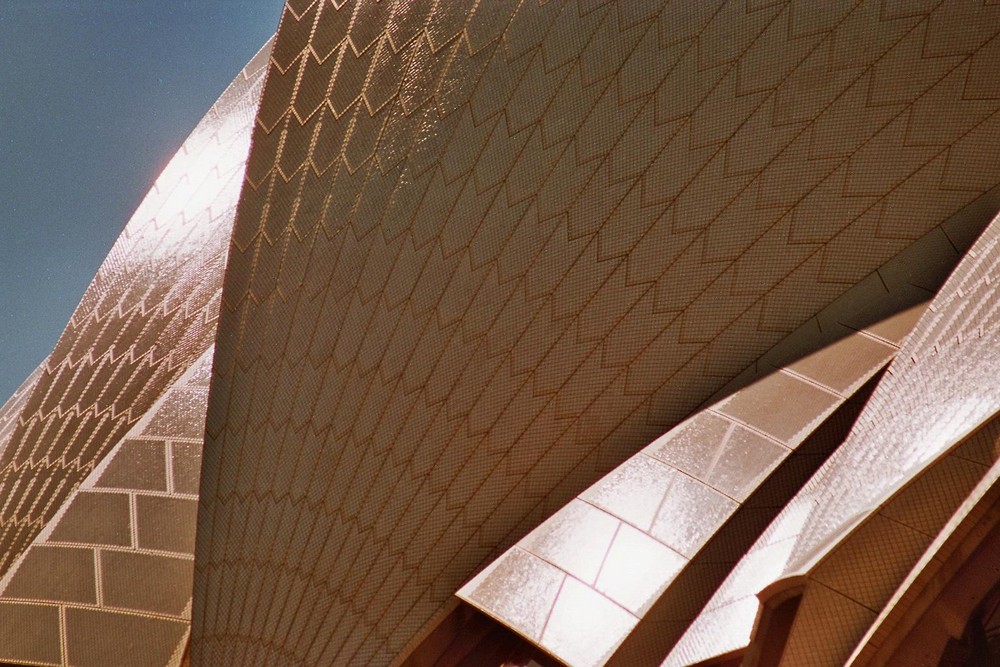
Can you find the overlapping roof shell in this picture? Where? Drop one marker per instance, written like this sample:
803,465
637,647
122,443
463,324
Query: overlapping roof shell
483,254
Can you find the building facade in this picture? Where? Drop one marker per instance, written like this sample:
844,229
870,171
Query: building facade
567,332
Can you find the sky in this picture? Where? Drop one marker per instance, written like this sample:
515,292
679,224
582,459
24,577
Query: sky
95,98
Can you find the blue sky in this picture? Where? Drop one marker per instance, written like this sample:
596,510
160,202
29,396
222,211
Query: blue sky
95,97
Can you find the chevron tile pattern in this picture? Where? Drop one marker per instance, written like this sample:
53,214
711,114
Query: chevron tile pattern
461,262
150,311
668,501
117,560
487,251
683,488
86,572
939,389
11,410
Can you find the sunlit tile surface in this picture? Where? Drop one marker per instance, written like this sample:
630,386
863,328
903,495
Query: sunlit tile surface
11,410
940,388
636,568
673,497
584,627
783,406
633,491
524,588
889,631
853,580
486,252
576,539
733,462
688,483
119,553
681,527
98,446
150,311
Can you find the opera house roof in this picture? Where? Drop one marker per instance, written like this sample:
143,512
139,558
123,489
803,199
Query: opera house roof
575,332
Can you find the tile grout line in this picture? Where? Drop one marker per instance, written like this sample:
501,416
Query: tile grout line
133,516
